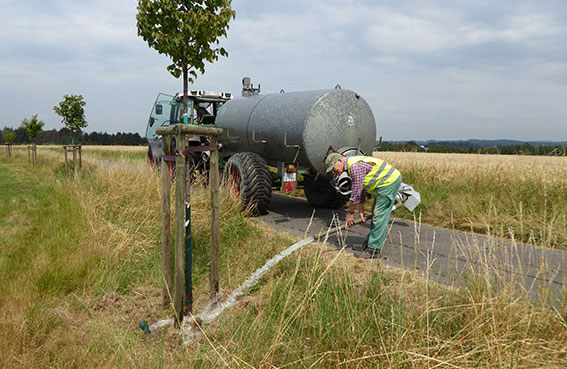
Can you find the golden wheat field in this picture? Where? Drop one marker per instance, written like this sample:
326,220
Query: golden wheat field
519,197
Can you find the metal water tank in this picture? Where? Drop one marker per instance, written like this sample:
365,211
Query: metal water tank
284,126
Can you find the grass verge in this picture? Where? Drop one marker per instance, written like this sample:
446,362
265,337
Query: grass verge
79,265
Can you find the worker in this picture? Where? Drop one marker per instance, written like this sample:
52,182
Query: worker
374,177
203,115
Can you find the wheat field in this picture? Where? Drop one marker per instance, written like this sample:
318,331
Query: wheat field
519,197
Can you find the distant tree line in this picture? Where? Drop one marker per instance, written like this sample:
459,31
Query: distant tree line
520,149
65,136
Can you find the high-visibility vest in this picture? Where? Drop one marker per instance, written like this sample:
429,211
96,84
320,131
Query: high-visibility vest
383,174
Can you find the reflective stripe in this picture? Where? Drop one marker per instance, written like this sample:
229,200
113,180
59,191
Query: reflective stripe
386,176
369,185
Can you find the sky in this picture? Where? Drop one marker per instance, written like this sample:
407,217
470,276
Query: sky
485,69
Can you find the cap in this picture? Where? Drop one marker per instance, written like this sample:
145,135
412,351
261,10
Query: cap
332,158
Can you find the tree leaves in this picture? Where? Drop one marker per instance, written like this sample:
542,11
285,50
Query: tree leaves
186,31
8,135
33,126
72,112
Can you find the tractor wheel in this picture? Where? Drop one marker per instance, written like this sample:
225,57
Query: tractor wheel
323,194
249,181
151,163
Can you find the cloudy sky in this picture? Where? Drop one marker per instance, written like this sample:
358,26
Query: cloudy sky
429,69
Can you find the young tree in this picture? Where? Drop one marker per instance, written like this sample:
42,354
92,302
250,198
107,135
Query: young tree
188,31
72,112
8,135
33,126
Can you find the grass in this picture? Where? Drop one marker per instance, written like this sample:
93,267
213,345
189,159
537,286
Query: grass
519,197
80,268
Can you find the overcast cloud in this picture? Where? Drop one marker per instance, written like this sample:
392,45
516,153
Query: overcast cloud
428,69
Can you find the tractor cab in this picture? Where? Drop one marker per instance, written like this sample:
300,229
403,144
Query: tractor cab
203,106
168,110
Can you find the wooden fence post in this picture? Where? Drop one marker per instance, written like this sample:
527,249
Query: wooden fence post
166,222
214,184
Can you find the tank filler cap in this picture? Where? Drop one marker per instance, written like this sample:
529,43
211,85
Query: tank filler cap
248,88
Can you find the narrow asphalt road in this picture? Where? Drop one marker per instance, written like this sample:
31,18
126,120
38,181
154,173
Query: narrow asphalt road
443,255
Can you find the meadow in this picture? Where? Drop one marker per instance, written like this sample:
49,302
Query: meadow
80,268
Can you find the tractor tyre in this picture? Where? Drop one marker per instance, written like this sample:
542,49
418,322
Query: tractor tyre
321,193
151,162
249,181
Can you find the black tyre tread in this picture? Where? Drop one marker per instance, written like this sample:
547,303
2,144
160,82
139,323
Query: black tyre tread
323,194
255,181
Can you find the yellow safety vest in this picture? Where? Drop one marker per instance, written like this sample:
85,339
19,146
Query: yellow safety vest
383,174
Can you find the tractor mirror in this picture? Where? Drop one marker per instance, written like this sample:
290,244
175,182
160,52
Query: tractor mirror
159,109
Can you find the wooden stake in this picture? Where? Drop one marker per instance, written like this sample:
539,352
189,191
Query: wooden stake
214,184
66,162
188,304
179,276
166,224
74,161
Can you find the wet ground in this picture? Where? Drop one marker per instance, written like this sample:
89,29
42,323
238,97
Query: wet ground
446,256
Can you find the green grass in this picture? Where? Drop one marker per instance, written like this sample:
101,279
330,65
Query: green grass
80,268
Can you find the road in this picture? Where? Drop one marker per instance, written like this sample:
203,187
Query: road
446,256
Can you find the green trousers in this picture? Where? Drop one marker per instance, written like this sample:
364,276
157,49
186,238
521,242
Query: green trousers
381,210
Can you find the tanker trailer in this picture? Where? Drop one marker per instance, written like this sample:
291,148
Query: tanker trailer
292,132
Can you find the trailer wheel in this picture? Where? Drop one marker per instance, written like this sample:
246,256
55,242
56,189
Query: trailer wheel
249,181
322,194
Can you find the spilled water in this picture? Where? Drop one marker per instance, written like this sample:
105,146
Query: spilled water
212,312
191,327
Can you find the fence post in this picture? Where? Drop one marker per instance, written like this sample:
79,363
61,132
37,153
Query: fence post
179,280
166,222
214,184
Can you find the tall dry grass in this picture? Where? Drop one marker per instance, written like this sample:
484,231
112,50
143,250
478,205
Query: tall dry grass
520,197
79,265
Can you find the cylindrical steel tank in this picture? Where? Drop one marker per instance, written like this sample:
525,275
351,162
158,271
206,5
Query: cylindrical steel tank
273,125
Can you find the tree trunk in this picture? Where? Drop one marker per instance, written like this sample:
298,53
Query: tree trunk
185,99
